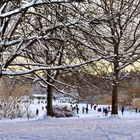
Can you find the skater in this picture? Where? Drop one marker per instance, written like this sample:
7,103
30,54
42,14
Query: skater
77,108
122,110
105,111
136,110
83,109
87,109
37,112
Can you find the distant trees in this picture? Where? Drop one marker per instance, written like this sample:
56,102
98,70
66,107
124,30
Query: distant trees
91,87
15,87
9,108
136,103
27,104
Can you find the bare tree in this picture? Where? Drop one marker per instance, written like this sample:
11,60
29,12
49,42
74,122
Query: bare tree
116,40
23,25
36,38
27,104
33,34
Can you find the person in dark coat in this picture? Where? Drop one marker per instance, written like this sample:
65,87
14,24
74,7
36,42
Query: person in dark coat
136,110
122,110
37,112
77,109
106,111
87,109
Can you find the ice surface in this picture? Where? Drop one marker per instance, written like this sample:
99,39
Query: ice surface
91,126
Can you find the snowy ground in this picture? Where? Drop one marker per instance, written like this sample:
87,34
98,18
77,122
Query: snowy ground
91,126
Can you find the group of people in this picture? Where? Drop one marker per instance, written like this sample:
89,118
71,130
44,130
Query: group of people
122,110
84,109
105,110
43,109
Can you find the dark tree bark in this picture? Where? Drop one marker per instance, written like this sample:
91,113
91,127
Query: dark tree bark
115,98
49,101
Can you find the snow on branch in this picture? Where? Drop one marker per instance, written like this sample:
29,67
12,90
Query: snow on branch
6,42
23,72
29,5
59,82
52,85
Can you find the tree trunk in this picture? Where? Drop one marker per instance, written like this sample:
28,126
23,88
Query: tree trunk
115,88
49,101
115,98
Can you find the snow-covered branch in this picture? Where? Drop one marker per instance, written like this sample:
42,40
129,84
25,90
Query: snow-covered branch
28,5
62,67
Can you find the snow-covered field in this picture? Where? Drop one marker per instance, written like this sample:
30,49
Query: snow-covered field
91,126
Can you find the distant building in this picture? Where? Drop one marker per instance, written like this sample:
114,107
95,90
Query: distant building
39,96
67,98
